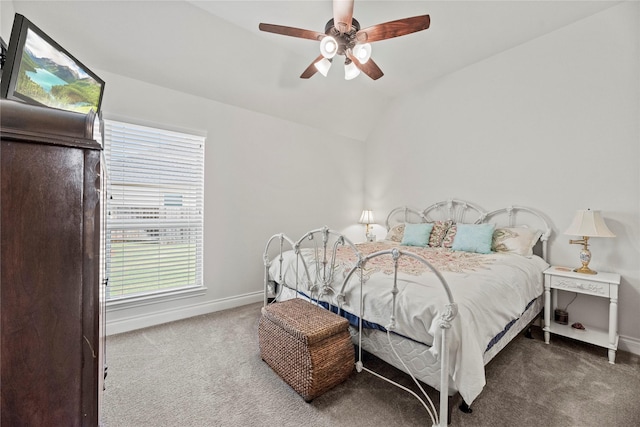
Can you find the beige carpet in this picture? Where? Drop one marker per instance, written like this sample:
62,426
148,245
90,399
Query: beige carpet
207,371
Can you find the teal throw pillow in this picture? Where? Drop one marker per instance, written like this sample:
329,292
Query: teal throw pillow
416,234
474,238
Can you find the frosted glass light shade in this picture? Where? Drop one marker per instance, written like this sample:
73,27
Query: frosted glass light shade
350,71
362,52
588,223
323,66
328,47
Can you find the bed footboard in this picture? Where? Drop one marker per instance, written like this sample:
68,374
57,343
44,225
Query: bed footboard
450,312
315,261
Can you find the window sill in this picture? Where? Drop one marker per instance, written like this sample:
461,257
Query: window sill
155,298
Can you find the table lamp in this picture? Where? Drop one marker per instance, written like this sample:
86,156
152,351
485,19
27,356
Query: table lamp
587,223
367,218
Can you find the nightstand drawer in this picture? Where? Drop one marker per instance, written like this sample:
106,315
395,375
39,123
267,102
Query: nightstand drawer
580,285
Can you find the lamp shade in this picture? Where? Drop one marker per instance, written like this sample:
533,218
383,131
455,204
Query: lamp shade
366,217
589,223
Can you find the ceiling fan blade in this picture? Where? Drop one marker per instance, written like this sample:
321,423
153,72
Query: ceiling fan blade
291,31
342,15
311,69
387,30
370,68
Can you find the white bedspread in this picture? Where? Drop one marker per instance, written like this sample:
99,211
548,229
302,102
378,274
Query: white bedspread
490,290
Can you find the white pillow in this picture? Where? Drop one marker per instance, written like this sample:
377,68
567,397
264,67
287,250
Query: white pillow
517,240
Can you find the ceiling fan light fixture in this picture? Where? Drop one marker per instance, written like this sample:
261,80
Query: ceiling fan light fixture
344,36
362,52
350,70
323,66
328,47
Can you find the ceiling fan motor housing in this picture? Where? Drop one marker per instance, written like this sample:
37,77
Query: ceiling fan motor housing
345,40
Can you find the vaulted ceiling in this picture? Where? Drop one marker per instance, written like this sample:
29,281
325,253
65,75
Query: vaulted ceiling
213,49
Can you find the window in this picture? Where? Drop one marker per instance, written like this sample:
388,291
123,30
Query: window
154,205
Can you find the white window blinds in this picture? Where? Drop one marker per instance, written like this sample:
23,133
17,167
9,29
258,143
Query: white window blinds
154,215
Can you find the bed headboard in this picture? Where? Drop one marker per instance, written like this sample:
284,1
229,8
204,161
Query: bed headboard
453,209
460,211
519,216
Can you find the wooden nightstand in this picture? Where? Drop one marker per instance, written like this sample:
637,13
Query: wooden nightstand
603,285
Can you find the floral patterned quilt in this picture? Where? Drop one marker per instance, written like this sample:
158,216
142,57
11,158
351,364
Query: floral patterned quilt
441,258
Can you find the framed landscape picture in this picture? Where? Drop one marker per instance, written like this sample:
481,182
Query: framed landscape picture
39,71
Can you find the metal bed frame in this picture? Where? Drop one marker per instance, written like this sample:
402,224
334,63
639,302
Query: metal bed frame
324,244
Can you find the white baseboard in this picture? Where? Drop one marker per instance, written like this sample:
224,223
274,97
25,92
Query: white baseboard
146,320
132,323
632,345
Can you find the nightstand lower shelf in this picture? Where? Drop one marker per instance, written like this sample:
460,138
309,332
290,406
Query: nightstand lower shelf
591,335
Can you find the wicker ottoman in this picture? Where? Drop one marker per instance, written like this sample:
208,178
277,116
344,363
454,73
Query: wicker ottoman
307,346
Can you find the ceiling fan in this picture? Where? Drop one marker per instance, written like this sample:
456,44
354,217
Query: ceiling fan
343,36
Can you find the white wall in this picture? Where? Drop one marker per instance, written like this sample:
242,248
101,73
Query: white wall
262,176
552,124
6,20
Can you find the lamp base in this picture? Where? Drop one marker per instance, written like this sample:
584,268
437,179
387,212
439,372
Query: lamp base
585,270
585,256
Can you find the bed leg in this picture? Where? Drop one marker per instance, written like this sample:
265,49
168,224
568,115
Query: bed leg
453,401
528,333
465,408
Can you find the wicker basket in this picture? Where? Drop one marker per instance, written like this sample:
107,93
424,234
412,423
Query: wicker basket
307,346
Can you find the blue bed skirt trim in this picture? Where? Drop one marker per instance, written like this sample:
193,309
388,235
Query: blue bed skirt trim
353,321
498,337
352,318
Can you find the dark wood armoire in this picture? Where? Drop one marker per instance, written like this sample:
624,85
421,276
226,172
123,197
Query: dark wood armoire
52,341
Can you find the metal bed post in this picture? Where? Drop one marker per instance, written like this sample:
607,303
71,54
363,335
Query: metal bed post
451,310
267,263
